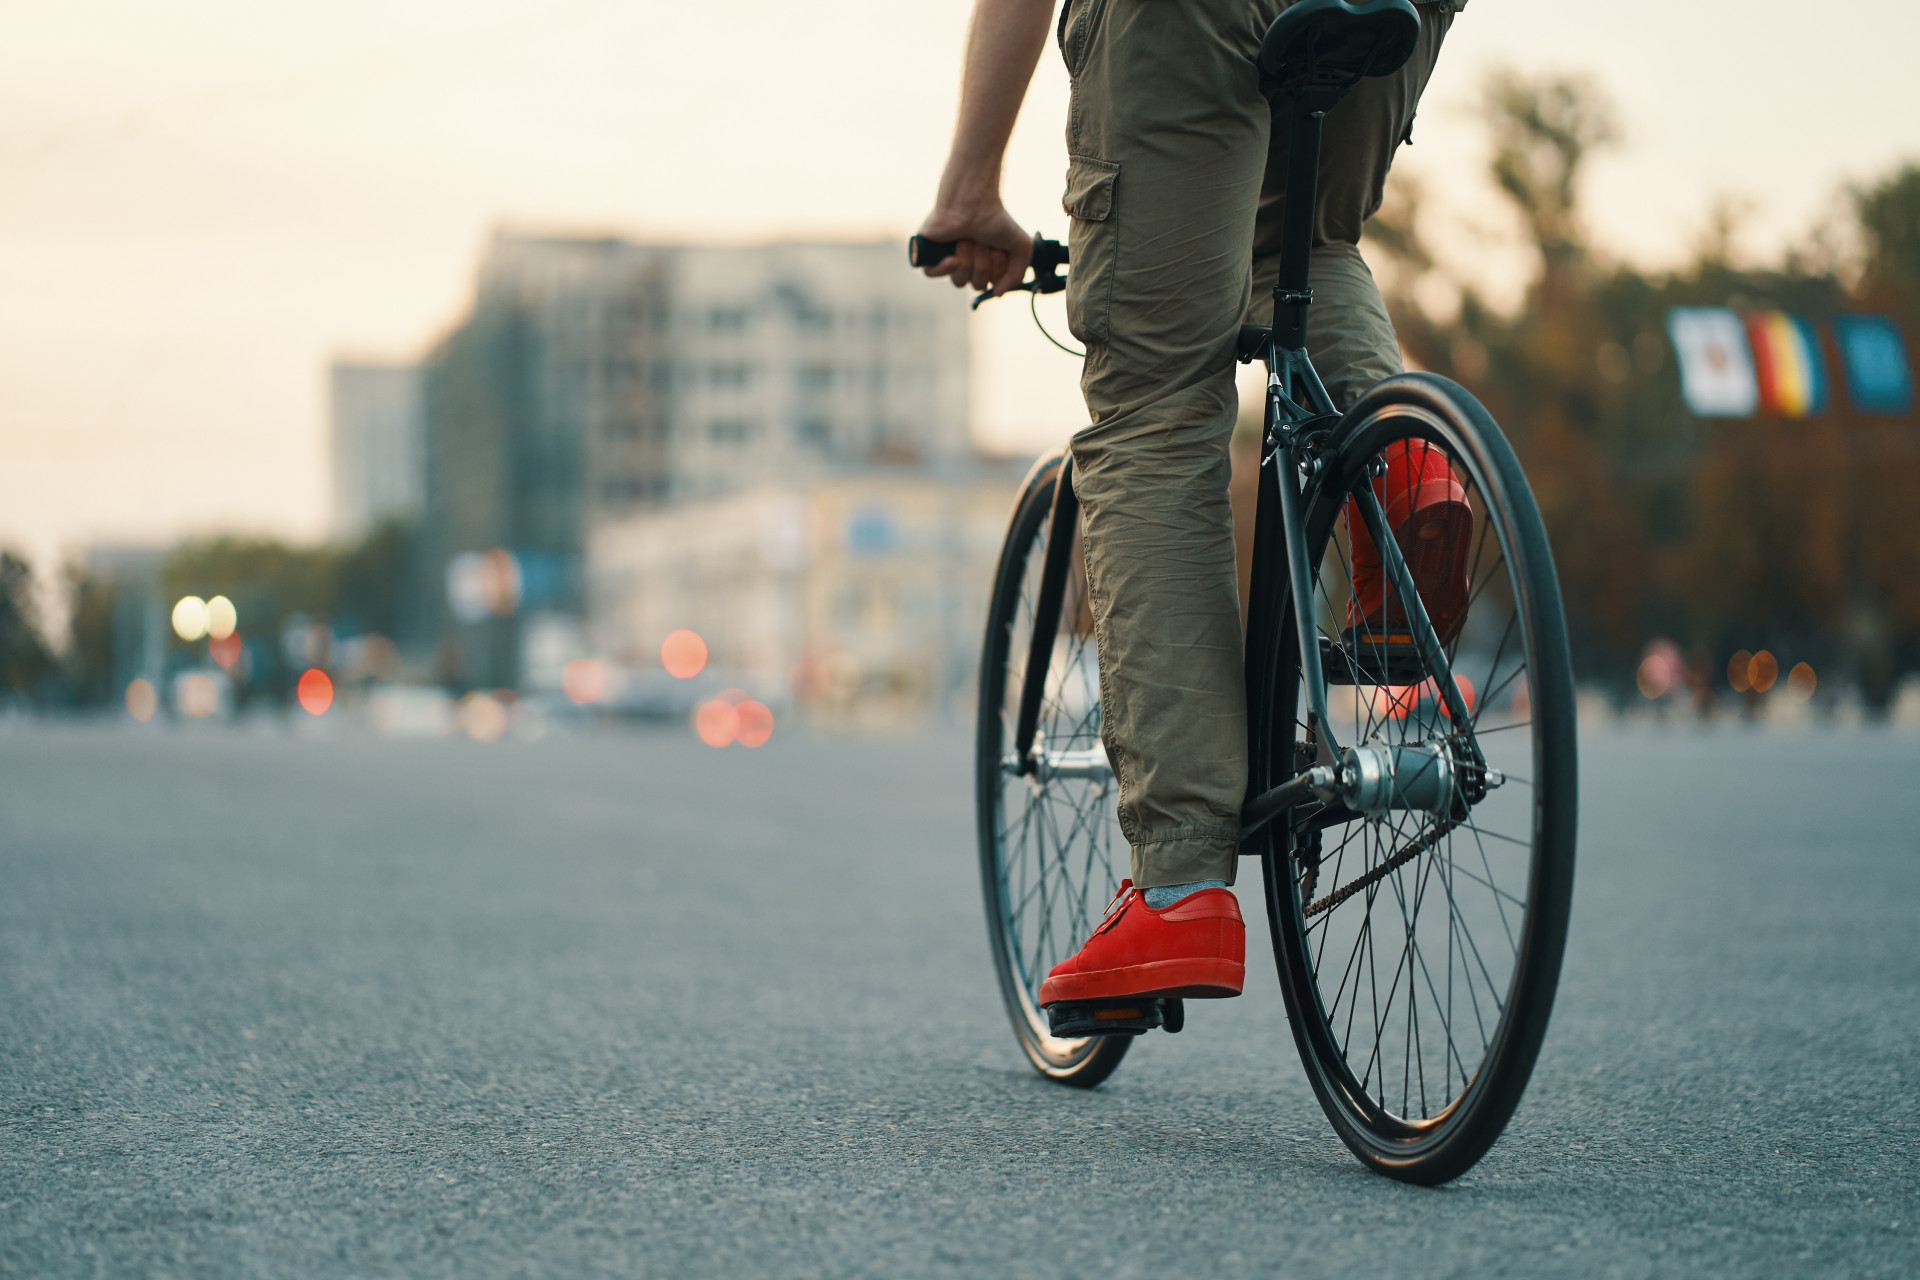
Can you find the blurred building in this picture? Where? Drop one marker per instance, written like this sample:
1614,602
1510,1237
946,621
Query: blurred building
377,445
860,593
596,379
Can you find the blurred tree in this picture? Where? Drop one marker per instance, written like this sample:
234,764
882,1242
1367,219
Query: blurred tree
1881,621
89,656
1543,129
1537,369
25,662
1722,534
1889,213
372,579
349,590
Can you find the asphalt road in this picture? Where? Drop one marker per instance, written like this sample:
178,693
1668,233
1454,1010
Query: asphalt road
285,1005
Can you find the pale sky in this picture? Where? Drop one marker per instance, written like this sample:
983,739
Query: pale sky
204,200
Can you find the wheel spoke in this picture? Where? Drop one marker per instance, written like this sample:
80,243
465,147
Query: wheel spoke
1390,907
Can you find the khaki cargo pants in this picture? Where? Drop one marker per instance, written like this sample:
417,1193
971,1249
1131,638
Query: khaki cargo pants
1175,186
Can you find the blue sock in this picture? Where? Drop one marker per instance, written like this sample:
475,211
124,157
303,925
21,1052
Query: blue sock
1167,894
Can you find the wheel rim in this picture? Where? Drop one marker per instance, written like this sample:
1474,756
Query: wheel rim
1413,926
1056,851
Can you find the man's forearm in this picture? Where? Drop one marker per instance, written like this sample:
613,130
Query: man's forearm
991,250
1004,42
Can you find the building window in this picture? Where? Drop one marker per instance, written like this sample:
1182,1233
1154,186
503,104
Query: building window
815,377
733,377
729,430
630,488
817,432
873,531
728,319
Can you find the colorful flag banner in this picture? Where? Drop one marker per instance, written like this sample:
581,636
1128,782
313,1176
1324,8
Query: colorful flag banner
1874,356
1787,361
1716,370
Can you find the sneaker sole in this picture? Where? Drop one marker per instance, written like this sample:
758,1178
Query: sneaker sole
1157,979
1434,542
1435,545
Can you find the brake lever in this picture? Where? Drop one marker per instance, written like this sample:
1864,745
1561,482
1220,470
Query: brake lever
1046,278
1025,286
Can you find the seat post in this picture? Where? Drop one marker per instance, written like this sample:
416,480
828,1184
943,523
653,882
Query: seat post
1292,295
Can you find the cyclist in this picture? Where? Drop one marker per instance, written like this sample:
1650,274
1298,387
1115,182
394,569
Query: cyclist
1175,191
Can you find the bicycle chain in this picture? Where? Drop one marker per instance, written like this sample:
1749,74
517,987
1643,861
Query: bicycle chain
1379,873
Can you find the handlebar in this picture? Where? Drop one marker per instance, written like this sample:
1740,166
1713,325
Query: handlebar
922,252
1048,257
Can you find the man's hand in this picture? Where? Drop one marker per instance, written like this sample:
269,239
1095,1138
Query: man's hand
1003,46
992,253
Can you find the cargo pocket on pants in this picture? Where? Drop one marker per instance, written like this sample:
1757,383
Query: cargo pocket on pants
1093,246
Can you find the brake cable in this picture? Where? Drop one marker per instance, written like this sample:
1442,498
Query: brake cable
1033,305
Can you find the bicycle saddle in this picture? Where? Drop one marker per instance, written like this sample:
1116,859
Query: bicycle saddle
1330,44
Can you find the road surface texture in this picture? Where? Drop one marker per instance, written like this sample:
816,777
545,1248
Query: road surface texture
275,1004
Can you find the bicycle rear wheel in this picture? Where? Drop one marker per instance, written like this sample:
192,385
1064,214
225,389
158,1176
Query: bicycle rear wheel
1051,852
1419,951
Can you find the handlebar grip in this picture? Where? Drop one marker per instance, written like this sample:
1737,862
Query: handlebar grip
922,252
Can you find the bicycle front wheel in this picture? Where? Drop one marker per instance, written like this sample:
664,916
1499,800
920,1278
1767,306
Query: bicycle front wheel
1051,851
1419,950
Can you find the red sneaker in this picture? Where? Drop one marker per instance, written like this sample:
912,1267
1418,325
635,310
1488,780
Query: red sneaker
1196,948
1426,507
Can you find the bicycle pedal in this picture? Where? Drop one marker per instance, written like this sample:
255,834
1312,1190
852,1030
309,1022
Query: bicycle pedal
1071,1019
1372,658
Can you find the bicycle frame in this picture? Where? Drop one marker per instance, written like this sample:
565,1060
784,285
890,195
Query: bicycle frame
1297,407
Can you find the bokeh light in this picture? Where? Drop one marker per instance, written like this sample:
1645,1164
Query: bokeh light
1801,682
807,681
142,701
222,618
500,581
484,716
1737,667
684,654
1659,670
197,695
1398,701
190,618
717,722
380,657
225,649
1394,701
584,681
1520,701
1762,671
315,691
755,723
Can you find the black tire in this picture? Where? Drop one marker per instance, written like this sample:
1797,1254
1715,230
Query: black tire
1051,855
1421,1070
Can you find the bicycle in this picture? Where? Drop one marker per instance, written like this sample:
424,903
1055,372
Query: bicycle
1417,880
